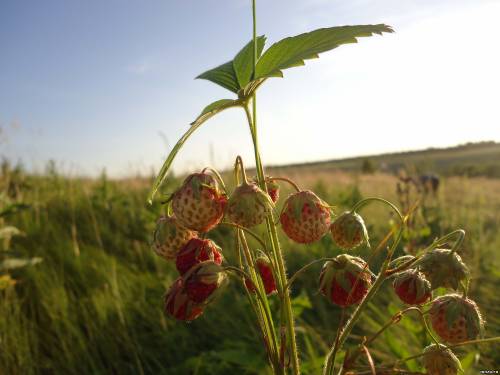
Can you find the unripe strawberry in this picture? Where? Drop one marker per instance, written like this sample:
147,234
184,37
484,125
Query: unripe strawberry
202,280
179,305
349,230
440,361
265,270
412,287
345,280
305,217
169,237
455,318
248,205
443,268
198,203
196,251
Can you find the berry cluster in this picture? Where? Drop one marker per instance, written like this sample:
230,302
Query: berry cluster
200,204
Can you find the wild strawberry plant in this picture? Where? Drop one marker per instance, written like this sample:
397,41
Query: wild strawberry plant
202,203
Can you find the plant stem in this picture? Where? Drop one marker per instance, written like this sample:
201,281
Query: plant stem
239,162
301,270
278,256
285,179
271,228
247,231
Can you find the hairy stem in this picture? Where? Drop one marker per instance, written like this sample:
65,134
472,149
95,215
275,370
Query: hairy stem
285,179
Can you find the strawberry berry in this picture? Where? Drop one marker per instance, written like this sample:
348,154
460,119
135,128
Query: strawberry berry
179,305
266,274
305,217
412,287
202,280
196,251
169,237
198,203
273,189
440,361
345,280
349,230
443,268
248,205
455,318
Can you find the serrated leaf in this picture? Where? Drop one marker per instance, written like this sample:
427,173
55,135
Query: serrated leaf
223,75
243,61
214,108
291,52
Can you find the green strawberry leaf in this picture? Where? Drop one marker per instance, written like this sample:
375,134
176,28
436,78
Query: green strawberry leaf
243,61
291,52
223,75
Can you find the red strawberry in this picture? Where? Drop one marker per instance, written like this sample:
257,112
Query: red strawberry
441,361
179,305
248,205
305,217
349,230
198,203
273,188
443,268
202,280
196,251
266,274
169,237
455,318
345,280
412,287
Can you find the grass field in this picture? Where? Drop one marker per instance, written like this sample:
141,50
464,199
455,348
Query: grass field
93,305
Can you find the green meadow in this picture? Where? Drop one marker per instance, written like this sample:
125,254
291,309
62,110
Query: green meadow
81,290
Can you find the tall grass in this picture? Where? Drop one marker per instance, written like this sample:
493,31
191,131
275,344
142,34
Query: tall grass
94,305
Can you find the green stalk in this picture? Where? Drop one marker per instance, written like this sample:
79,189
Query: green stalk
271,228
277,253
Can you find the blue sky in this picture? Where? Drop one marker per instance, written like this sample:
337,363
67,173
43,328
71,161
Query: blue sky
109,83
